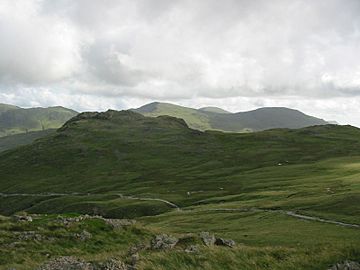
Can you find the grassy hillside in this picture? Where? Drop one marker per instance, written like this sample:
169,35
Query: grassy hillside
238,186
134,154
212,118
14,120
12,141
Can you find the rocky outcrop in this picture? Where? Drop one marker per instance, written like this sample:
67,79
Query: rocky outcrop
69,263
208,238
192,249
346,265
225,242
163,241
23,218
83,236
113,264
118,223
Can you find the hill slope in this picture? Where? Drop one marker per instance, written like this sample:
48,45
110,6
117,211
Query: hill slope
125,152
212,118
15,120
248,187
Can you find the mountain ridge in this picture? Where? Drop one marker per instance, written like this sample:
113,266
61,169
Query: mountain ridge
16,120
219,119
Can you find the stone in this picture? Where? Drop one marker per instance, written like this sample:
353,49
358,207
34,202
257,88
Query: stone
134,259
164,241
225,242
83,236
114,264
346,265
208,238
66,262
23,218
192,249
117,223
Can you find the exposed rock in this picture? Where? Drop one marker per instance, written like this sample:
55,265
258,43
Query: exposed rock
23,218
114,264
137,248
83,236
192,249
225,242
30,235
346,265
116,223
134,260
68,263
208,238
164,241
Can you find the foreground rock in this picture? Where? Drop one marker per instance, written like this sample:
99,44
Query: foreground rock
72,263
347,265
208,238
164,241
192,249
23,218
113,264
118,223
68,263
225,242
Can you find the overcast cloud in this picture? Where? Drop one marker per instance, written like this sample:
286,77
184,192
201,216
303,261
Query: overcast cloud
236,54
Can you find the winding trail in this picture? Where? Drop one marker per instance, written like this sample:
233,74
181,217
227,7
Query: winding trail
51,194
288,213
178,208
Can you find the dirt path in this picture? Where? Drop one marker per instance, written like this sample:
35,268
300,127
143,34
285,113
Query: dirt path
288,213
51,194
173,205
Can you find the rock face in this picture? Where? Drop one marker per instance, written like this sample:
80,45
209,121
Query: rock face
208,238
225,242
69,263
164,241
347,265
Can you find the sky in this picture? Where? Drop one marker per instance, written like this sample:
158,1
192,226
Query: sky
235,54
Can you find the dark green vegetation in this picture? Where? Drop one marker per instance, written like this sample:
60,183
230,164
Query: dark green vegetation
236,185
15,140
14,120
212,118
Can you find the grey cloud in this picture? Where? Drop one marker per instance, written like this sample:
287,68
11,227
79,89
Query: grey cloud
181,50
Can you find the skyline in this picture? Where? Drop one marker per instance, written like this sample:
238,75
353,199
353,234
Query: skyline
237,55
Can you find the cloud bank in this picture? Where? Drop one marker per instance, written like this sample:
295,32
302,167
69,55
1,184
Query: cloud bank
99,54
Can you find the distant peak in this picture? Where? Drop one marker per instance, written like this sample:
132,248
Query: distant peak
213,109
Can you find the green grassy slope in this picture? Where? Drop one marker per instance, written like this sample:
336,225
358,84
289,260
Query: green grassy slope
237,186
14,120
125,152
212,118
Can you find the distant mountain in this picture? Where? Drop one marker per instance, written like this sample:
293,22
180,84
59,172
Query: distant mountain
15,120
213,118
213,109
